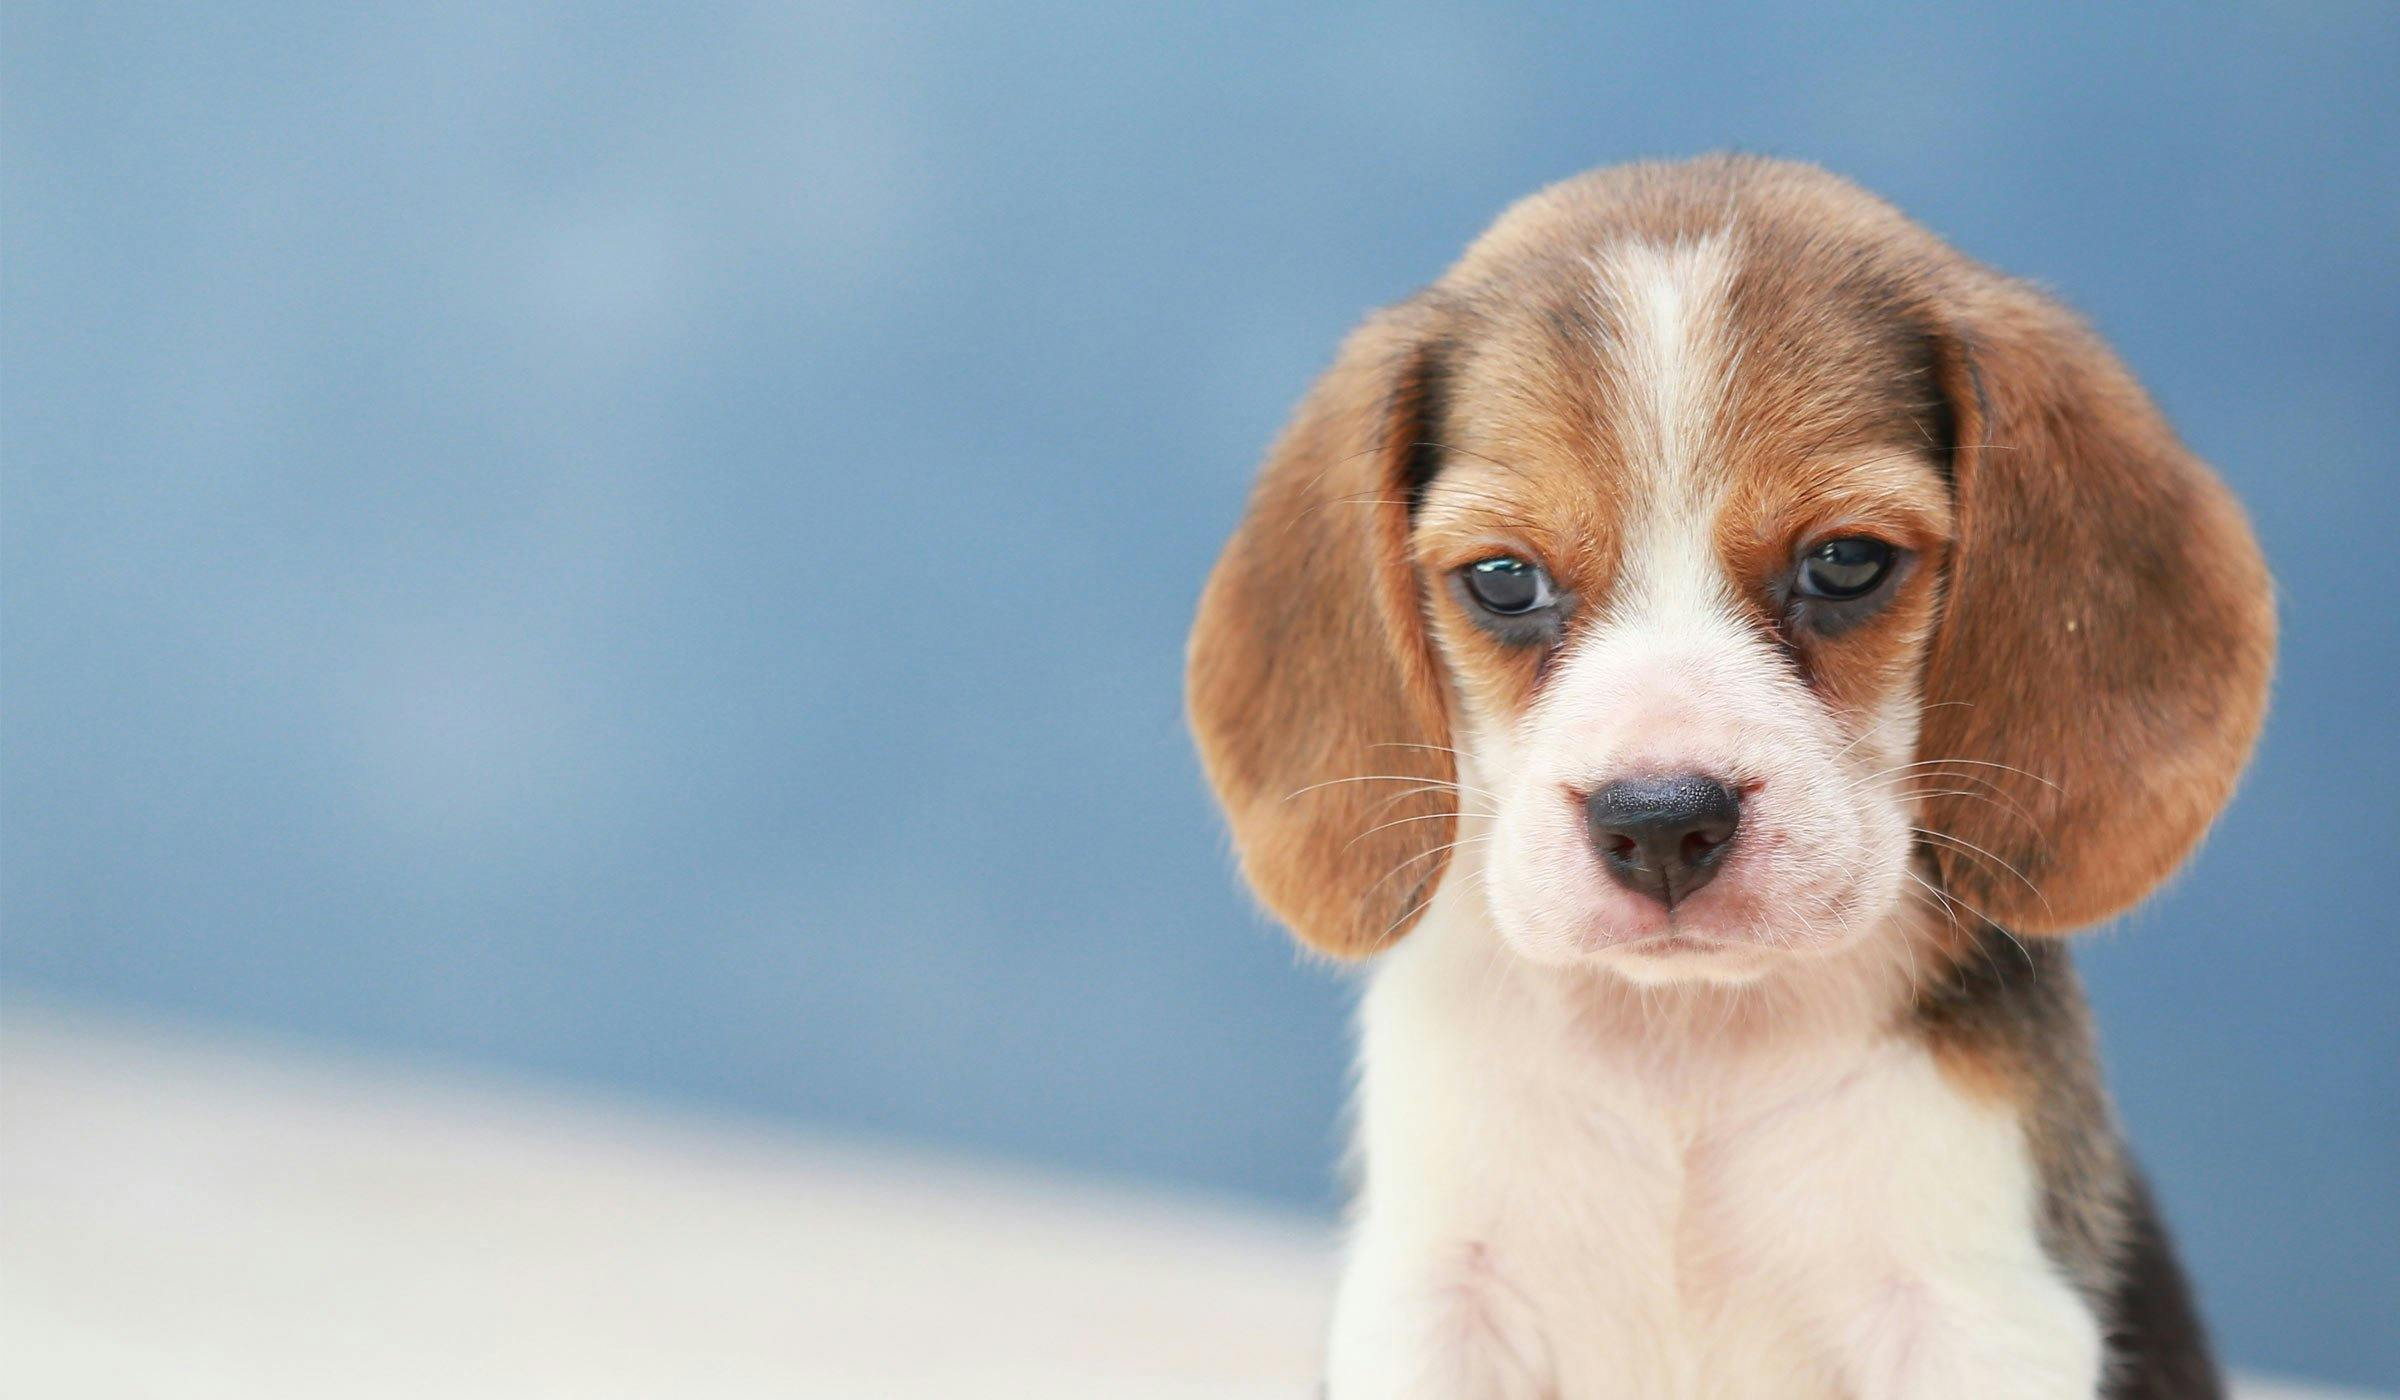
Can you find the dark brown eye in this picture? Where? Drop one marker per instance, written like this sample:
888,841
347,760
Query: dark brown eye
1843,569
1508,586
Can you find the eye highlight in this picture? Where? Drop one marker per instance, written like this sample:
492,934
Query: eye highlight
1844,569
1507,586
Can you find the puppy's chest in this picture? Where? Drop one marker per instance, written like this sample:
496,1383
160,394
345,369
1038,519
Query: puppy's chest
1741,1225
1711,1227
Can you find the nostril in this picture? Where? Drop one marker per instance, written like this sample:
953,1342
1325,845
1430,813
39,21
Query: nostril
1700,846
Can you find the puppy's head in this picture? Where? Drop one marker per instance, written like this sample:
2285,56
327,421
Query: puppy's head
1707,557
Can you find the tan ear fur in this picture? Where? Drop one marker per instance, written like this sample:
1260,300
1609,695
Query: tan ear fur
2108,632
1312,687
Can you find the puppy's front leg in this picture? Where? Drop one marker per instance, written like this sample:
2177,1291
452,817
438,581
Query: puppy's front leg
1421,1323
2008,1332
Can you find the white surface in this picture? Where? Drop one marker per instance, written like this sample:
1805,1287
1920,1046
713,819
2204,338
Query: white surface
187,1218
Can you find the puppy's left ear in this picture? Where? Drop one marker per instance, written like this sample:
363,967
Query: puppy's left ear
2108,628
1312,686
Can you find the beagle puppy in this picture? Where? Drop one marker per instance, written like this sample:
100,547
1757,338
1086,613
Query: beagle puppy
1705,649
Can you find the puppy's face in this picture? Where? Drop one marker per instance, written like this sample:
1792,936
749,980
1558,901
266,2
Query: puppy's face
1719,558
1681,544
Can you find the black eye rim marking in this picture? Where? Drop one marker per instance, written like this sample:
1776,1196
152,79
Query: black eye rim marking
1541,621
1830,599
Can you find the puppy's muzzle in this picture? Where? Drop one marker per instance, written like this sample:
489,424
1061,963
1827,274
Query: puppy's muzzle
1662,837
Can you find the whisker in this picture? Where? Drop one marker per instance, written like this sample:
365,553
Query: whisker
1406,793
1965,846
1985,920
1900,781
1400,821
1429,748
2011,808
1442,850
1377,778
1971,763
1418,908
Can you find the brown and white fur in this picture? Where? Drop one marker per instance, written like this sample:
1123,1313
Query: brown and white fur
1830,1125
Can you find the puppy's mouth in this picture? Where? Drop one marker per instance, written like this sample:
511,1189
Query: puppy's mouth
1665,945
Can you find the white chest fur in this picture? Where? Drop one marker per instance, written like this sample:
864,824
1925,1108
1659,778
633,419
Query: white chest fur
1571,1195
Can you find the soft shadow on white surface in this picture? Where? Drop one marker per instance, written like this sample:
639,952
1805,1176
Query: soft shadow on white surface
184,1217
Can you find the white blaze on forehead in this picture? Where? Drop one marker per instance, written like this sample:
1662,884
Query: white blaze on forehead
1670,358
1669,352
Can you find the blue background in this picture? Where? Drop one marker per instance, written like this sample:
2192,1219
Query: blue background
652,544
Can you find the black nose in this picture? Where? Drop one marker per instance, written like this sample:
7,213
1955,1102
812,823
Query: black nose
1663,837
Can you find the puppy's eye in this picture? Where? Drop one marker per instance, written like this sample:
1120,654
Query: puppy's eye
1508,586
1845,568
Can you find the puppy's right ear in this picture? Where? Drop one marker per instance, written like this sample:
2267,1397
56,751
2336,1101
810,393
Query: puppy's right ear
1312,684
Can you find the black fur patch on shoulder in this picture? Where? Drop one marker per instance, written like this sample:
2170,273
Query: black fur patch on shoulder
2018,1006
2158,1347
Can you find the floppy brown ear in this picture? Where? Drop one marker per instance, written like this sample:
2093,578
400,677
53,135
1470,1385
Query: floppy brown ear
1313,690
2107,636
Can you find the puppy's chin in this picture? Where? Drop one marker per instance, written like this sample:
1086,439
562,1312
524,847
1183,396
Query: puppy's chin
1675,959
1720,941
1651,960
